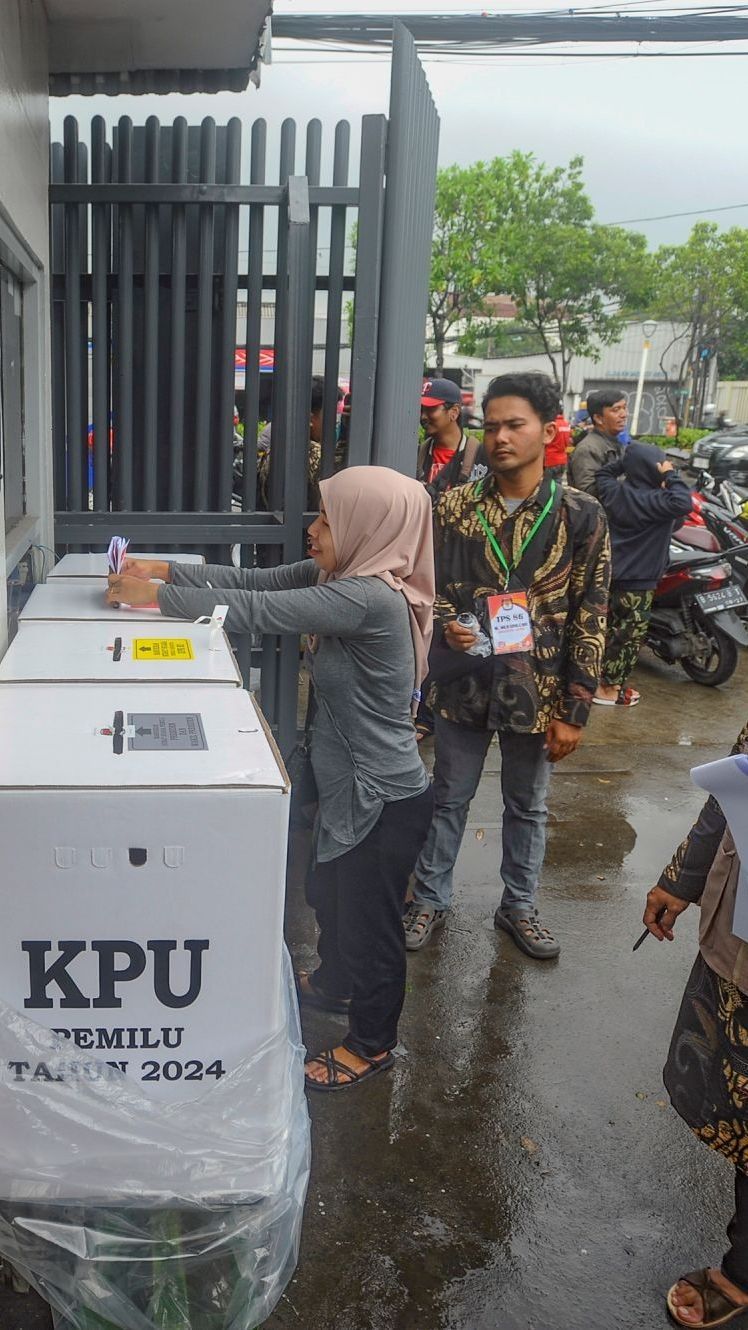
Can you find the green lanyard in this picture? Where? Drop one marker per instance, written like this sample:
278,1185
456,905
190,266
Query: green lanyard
510,568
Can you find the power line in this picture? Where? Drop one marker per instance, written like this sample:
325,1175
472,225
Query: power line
667,216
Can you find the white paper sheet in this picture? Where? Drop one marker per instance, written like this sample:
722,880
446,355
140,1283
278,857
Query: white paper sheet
727,780
117,552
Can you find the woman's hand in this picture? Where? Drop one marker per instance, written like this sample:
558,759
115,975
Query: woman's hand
124,590
147,569
457,637
661,913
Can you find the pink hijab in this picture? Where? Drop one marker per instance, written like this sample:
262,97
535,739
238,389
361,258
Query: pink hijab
381,526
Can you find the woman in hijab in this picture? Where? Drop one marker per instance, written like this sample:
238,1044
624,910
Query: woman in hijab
365,598
707,1067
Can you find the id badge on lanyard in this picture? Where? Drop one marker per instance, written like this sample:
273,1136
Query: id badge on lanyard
510,624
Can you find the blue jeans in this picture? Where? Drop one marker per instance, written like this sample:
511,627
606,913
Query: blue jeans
525,772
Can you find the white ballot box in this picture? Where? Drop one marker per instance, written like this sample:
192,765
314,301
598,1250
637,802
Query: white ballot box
84,598
97,565
113,653
144,850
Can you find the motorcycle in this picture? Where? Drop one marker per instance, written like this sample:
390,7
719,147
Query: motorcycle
695,621
719,521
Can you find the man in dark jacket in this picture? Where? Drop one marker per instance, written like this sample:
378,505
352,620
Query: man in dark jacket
601,445
643,509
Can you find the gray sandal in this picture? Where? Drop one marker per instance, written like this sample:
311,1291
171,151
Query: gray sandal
420,922
526,930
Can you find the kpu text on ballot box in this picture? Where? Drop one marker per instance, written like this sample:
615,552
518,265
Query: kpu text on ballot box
97,565
123,652
153,1128
85,598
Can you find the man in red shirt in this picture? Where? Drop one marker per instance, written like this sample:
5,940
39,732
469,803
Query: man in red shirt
443,459
556,450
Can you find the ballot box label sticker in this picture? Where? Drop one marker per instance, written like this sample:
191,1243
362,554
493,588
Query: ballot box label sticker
162,648
166,731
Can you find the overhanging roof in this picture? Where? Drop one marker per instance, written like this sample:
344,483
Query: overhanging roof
144,46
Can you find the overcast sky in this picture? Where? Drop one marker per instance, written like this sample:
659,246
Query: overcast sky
657,135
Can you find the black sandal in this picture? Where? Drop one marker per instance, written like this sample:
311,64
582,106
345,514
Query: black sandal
335,1069
314,997
718,1308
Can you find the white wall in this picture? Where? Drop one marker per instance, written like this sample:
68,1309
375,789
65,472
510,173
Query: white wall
24,245
732,398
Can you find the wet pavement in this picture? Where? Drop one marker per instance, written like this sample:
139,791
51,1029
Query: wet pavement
521,1168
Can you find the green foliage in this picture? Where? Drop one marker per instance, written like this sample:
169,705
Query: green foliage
517,227
502,337
686,438
703,284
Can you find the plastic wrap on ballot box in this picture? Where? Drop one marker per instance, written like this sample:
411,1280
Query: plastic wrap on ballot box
131,1214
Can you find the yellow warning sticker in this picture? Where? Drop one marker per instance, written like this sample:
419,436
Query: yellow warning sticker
162,648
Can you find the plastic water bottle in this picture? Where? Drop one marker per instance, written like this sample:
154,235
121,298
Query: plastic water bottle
483,646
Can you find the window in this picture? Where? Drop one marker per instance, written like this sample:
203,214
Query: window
12,441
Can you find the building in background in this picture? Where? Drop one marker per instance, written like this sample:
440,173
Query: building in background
618,365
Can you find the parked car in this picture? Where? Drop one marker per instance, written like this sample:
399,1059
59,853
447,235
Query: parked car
731,464
715,444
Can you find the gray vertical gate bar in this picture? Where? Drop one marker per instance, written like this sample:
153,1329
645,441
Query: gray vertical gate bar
254,319
300,263
59,423
100,256
406,260
368,284
177,319
74,402
312,173
204,319
123,425
151,304
84,329
271,646
225,435
336,272
277,461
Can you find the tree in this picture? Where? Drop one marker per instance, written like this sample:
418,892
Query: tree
516,227
702,290
459,286
572,279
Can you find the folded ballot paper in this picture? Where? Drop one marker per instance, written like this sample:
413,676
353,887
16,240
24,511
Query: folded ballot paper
117,553
727,780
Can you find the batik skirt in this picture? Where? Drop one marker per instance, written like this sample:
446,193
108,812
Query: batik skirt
706,1073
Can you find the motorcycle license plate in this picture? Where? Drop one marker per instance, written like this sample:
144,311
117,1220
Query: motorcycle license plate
699,463
724,598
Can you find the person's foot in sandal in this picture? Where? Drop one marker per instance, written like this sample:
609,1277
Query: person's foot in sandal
312,996
706,1298
419,922
529,934
340,1069
610,695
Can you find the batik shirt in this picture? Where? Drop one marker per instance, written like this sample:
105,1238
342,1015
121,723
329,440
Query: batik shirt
687,872
567,600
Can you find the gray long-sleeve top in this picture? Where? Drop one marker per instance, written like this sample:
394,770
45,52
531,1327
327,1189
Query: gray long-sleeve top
363,746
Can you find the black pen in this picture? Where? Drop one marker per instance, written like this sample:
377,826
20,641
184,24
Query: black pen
645,934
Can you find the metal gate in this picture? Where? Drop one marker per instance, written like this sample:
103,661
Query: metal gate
155,237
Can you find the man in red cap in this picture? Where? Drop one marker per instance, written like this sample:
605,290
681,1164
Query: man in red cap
448,455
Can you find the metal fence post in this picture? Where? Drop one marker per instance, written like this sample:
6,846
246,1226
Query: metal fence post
406,261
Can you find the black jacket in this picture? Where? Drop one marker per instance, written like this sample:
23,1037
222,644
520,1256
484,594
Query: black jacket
642,515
